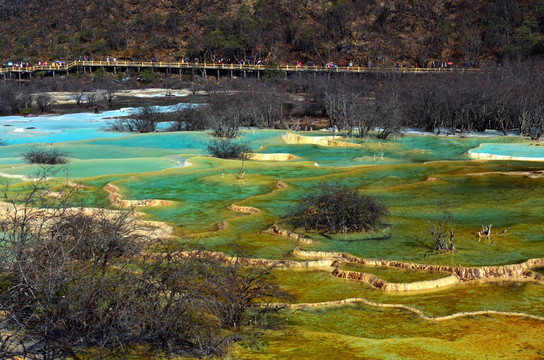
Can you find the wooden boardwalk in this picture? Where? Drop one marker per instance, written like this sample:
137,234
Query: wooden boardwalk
203,68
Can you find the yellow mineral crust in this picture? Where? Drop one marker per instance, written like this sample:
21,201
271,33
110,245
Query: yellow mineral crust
329,141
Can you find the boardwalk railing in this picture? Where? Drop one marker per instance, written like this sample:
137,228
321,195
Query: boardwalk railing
215,66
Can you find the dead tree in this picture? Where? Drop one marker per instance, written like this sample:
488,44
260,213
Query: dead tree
442,230
69,286
485,232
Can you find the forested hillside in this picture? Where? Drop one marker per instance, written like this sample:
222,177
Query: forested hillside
412,32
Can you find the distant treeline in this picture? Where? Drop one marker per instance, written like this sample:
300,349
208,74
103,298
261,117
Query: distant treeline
364,32
510,98
506,99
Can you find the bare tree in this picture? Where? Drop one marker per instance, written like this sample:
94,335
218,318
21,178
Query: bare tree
339,102
226,114
265,106
14,98
225,123
441,229
91,98
107,90
339,209
56,257
363,118
144,119
531,120
389,113
43,102
427,103
470,42
78,280
188,119
79,97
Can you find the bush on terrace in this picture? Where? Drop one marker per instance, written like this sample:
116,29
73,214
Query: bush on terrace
338,209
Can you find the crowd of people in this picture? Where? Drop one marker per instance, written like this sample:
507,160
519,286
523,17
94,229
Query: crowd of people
26,64
249,61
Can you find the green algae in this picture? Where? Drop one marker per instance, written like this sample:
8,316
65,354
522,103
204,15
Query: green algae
359,332
395,275
204,191
312,286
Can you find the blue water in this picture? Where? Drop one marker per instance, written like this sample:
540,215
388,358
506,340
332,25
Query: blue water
68,127
515,150
95,151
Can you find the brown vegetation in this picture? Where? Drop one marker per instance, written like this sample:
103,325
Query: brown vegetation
367,33
76,282
338,209
506,99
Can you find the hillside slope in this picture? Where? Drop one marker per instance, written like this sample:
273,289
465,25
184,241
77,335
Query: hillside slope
412,32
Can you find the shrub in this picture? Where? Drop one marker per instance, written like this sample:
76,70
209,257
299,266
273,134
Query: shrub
121,75
26,111
187,119
80,281
338,209
43,102
145,119
227,149
273,71
83,36
118,125
99,73
147,76
42,154
98,47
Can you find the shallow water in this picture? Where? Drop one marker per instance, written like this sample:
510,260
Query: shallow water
530,150
409,174
66,127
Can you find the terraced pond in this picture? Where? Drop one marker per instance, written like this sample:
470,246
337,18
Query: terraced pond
504,315
395,275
